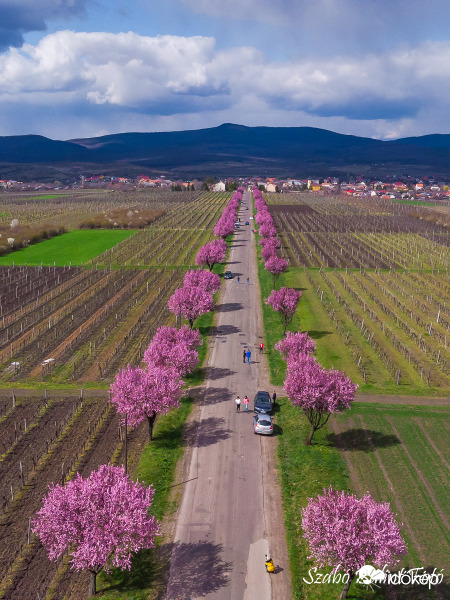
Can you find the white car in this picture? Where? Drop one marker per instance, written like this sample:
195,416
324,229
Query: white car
262,424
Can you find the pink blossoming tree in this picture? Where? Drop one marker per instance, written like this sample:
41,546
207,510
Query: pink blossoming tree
348,532
211,253
294,345
172,347
224,226
268,251
190,303
145,394
204,279
267,230
271,241
318,392
276,266
101,521
284,301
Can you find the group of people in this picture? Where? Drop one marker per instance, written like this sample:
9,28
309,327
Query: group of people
238,403
239,279
246,355
246,401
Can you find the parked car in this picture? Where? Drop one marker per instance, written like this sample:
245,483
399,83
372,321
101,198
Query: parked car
263,424
262,403
247,223
237,225
228,275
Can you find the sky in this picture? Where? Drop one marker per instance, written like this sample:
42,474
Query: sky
84,68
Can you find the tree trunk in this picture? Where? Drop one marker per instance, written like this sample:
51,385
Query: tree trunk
92,583
191,322
310,437
151,422
346,587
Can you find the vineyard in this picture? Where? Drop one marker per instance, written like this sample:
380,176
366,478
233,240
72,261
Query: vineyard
47,439
80,324
76,326
70,209
379,277
375,277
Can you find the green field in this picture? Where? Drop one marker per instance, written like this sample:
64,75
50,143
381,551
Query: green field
76,247
415,202
400,455
388,453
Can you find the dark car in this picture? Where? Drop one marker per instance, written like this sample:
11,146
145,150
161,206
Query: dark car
247,223
228,275
262,403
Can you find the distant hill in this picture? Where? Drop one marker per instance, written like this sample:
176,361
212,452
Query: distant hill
225,150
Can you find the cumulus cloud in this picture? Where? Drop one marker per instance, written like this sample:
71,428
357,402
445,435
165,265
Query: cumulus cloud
105,68
22,16
168,75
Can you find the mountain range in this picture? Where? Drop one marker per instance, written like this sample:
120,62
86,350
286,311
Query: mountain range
226,150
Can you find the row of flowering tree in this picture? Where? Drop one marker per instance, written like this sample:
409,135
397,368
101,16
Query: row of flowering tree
273,263
103,519
225,225
346,533
357,536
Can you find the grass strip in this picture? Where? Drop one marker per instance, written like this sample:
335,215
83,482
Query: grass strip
304,472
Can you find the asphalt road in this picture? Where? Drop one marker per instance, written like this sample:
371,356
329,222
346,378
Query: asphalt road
226,524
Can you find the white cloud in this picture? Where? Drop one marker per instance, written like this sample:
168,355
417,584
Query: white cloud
158,78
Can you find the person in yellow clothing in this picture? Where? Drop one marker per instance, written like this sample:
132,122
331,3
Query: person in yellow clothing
270,567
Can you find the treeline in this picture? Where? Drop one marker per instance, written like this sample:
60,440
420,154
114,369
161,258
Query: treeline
123,218
20,236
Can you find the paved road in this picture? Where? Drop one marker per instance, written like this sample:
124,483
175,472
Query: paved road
225,523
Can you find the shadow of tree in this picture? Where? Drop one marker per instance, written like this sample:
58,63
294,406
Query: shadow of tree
365,440
213,373
214,395
206,433
316,335
229,307
143,572
197,570
277,429
224,330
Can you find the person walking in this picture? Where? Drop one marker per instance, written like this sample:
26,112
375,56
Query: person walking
274,397
261,348
246,401
248,354
247,279
238,404
238,279
244,356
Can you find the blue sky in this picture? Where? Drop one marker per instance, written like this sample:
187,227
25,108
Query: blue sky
77,68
